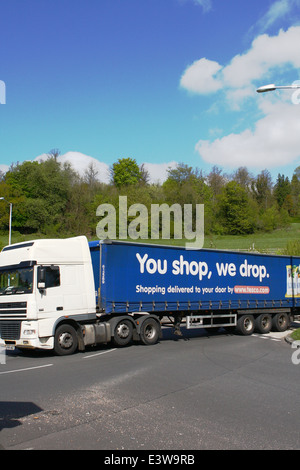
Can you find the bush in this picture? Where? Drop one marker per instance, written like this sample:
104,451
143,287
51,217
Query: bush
292,248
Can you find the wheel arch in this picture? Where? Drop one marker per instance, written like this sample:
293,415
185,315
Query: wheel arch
72,322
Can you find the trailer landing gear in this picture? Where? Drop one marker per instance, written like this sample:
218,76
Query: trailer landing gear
177,321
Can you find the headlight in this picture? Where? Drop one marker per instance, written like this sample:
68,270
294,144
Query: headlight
29,332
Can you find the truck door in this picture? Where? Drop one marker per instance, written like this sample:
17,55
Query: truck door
49,297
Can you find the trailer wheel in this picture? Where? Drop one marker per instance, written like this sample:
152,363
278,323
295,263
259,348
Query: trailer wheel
245,325
123,333
281,322
263,323
65,340
149,331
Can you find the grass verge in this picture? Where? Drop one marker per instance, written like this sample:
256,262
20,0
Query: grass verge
296,335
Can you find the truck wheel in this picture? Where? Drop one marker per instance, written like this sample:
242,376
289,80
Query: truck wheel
281,322
123,333
263,323
149,331
65,340
245,325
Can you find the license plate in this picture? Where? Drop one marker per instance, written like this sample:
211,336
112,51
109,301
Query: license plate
10,347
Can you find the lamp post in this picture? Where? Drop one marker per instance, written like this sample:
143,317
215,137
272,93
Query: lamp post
272,87
10,217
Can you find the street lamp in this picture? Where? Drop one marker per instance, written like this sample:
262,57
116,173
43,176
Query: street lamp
272,87
10,216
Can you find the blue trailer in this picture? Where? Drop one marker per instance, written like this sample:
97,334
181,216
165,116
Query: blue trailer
67,294
205,288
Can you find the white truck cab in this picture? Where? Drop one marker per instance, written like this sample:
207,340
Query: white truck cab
43,283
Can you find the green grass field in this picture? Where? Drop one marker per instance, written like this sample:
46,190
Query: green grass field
271,242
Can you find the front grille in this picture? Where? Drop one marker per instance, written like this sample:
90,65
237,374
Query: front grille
13,305
16,309
10,329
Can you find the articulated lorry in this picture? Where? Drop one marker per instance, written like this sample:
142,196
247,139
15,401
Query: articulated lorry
66,294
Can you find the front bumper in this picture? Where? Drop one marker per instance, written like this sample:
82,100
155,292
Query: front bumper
23,334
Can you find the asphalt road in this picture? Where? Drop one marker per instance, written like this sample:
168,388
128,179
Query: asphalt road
199,392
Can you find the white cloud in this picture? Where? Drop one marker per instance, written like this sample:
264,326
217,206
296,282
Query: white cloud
274,139
237,78
4,168
273,142
278,10
80,162
235,97
205,4
266,53
201,77
158,172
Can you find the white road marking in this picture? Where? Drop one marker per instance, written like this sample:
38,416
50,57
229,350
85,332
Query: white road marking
99,354
22,370
267,336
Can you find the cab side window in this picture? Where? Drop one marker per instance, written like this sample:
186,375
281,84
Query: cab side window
52,276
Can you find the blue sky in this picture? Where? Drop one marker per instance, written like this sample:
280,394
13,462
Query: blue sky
161,81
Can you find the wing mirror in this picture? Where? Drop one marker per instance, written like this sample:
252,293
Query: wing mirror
41,277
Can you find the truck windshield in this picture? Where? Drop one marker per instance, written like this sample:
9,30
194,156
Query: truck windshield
16,281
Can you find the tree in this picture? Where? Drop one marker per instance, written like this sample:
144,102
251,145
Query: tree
216,180
45,188
181,173
282,189
235,210
90,174
54,153
262,189
295,191
125,172
144,175
243,177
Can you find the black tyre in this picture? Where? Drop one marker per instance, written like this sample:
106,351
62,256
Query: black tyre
263,323
149,332
280,322
245,325
65,340
123,333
